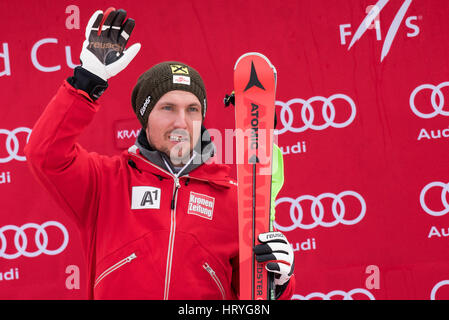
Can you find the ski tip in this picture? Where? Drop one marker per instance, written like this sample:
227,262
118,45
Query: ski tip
255,54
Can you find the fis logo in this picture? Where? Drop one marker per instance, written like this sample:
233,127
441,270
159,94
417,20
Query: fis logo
372,21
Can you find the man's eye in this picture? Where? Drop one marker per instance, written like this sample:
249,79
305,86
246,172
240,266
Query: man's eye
167,108
194,109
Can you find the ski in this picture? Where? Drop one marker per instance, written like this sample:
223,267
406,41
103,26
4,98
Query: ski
254,87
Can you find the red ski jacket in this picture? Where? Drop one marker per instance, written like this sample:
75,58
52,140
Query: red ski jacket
146,233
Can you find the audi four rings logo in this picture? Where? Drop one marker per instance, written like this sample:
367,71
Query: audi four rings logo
12,144
21,240
317,210
444,196
437,106
307,113
336,293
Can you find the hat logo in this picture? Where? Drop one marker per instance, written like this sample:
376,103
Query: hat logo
181,79
179,69
145,105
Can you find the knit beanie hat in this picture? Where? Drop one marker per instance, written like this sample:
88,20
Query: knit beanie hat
162,78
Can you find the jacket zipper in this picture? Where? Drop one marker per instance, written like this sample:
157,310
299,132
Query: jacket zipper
168,267
113,268
171,240
215,278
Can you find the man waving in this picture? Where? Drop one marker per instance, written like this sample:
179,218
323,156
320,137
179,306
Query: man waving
158,221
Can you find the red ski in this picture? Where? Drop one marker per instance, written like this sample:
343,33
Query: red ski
254,87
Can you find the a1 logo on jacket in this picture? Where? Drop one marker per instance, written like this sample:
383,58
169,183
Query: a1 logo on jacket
145,197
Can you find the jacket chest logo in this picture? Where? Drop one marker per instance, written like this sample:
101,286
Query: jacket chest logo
144,197
201,205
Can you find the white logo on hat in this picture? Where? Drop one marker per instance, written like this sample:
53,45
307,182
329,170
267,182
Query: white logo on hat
145,104
182,80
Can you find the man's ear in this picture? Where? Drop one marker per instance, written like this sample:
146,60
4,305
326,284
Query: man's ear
147,134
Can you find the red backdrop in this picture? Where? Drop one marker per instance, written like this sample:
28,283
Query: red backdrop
362,121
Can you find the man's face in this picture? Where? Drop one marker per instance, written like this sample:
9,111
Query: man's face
174,125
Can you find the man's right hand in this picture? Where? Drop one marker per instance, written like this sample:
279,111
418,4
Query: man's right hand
107,34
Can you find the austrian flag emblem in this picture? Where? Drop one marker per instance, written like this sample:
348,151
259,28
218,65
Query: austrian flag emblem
201,205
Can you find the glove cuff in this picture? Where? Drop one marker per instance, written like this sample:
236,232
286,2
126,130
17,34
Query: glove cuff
279,290
88,82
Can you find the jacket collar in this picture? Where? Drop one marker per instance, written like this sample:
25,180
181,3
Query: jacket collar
200,165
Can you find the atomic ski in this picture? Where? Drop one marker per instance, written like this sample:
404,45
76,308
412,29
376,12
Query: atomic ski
254,87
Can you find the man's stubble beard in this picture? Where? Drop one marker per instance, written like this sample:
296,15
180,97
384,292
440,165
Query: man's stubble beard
175,154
